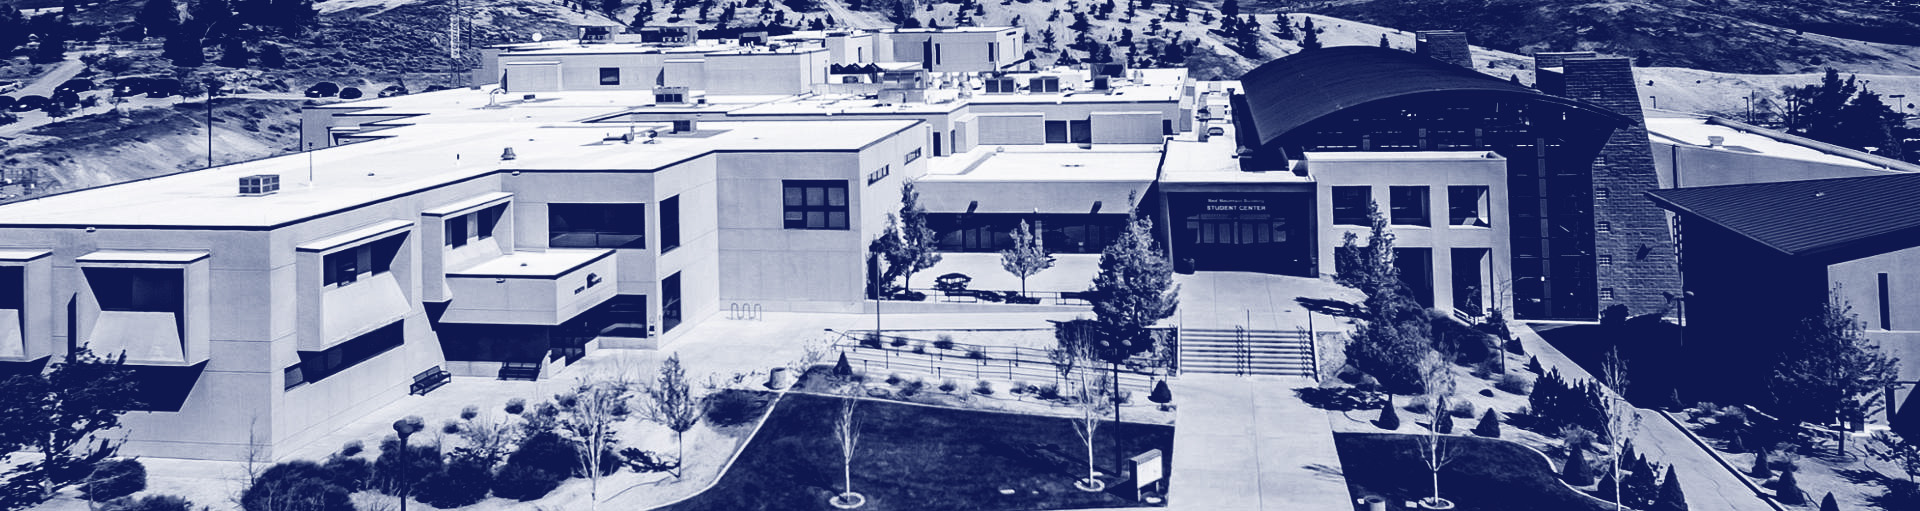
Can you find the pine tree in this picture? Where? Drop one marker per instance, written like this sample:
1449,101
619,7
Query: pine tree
233,53
1383,42
1389,419
1828,504
1606,488
272,57
1489,425
1671,498
1311,41
1761,470
1787,489
918,249
1576,471
158,17
53,42
1444,424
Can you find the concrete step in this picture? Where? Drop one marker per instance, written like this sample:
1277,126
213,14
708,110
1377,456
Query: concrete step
1257,361
1229,335
1255,371
1249,346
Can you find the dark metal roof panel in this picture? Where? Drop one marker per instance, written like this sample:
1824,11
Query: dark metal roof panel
1294,90
1807,217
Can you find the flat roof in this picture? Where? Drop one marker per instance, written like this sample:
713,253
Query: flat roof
1400,156
549,264
1694,131
1050,163
420,157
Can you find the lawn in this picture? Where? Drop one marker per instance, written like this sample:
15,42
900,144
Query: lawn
1489,475
922,458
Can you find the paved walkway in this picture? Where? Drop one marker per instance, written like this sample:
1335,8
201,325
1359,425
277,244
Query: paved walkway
1258,301
1708,486
1247,444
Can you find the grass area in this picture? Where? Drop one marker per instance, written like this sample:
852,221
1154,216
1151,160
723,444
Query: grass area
922,458
1489,475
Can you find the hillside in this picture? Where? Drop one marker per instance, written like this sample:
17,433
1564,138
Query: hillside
1735,36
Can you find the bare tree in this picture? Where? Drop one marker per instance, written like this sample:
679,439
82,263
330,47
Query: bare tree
588,413
672,404
1437,449
1622,419
1091,398
846,429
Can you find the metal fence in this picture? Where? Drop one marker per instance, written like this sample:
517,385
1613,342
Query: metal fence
962,362
1067,298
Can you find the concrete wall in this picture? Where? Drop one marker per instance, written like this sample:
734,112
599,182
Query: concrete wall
1012,128
956,51
1169,110
1127,128
533,76
1436,175
766,73
1681,166
851,49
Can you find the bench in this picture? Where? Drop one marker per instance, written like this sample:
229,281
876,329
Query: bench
430,379
529,371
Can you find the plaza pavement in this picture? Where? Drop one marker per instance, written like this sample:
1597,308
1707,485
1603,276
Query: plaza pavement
1247,444
1708,486
1257,301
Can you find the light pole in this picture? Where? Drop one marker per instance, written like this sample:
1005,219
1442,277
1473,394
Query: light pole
213,89
406,427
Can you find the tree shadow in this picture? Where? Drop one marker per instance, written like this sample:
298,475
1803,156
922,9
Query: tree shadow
1330,307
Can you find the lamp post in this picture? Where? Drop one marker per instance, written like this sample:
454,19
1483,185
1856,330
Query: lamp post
213,90
406,427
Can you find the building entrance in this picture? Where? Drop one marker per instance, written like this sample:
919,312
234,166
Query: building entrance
1264,232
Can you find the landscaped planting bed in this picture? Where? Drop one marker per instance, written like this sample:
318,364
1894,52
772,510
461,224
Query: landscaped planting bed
1489,475
1854,479
922,458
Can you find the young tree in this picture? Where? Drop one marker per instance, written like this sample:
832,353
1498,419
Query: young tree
672,404
1133,290
1437,449
60,414
1576,471
1092,399
1394,338
1623,421
846,429
917,249
1830,370
1027,258
587,414
1671,498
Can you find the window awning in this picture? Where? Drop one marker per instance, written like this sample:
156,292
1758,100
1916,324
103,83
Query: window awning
469,205
141,258
22,255
361,307
356,236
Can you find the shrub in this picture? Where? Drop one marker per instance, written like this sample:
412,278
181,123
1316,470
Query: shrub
872,340
1049,391
948,386
450,427
1533,366
1389,420
1514,384
1615,315
112,479
1577,471
1463,409
984,388
733,407
469,412
348,472
1445,424
647,462
1575,437
547,452
976,354
1484,370
943,341
1418,405
1787,489
898,342
1339,399
912,387
1489,425
353,448
842,368
524,483
894,379
463,483
515,406
1161,394
150,503
389,474
920,348
295,485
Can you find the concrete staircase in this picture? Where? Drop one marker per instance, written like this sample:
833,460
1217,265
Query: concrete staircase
1241,351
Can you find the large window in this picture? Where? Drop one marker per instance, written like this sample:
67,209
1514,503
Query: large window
1416,271
815,204
351,265
609,76
138,289
991,232
1409,205
13,287
669,224
597,225
1350,205
669,302
457,229
317,365
474,226
1467,205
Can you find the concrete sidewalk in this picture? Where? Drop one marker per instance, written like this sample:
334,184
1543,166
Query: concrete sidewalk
1246,444
1708,486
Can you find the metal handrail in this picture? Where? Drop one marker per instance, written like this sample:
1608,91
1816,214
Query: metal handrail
1064,298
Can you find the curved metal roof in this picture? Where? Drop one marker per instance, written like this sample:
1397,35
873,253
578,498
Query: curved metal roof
1292,91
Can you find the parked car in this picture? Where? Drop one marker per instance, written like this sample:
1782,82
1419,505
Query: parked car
163,87
127,87
393,90
350,93
7,102
28,103
75,85
323,90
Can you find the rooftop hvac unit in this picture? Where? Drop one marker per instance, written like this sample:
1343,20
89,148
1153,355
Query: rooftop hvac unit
258,185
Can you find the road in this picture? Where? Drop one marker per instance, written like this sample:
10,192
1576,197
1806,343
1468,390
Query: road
43,86
854,19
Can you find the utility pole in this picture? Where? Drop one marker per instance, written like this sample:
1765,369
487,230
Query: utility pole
213,90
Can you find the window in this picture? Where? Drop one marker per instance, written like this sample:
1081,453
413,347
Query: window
669,224
1600,193
669,98
1886,309
815,204
318,365
1603,227
993,52
1409,205
350,265
1604,260
609,76
597,225
669,302
912,155
457,229
1044,84
138,289
1350,205
1466,205
1606,293
294,377
936,54
13,288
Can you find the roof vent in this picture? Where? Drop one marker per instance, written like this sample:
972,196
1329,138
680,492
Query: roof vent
1716,141
508,155
260,184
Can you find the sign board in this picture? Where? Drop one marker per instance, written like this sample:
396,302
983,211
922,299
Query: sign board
1148,468
1217,204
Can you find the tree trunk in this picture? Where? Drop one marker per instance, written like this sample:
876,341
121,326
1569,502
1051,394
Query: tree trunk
1119,455
679,455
